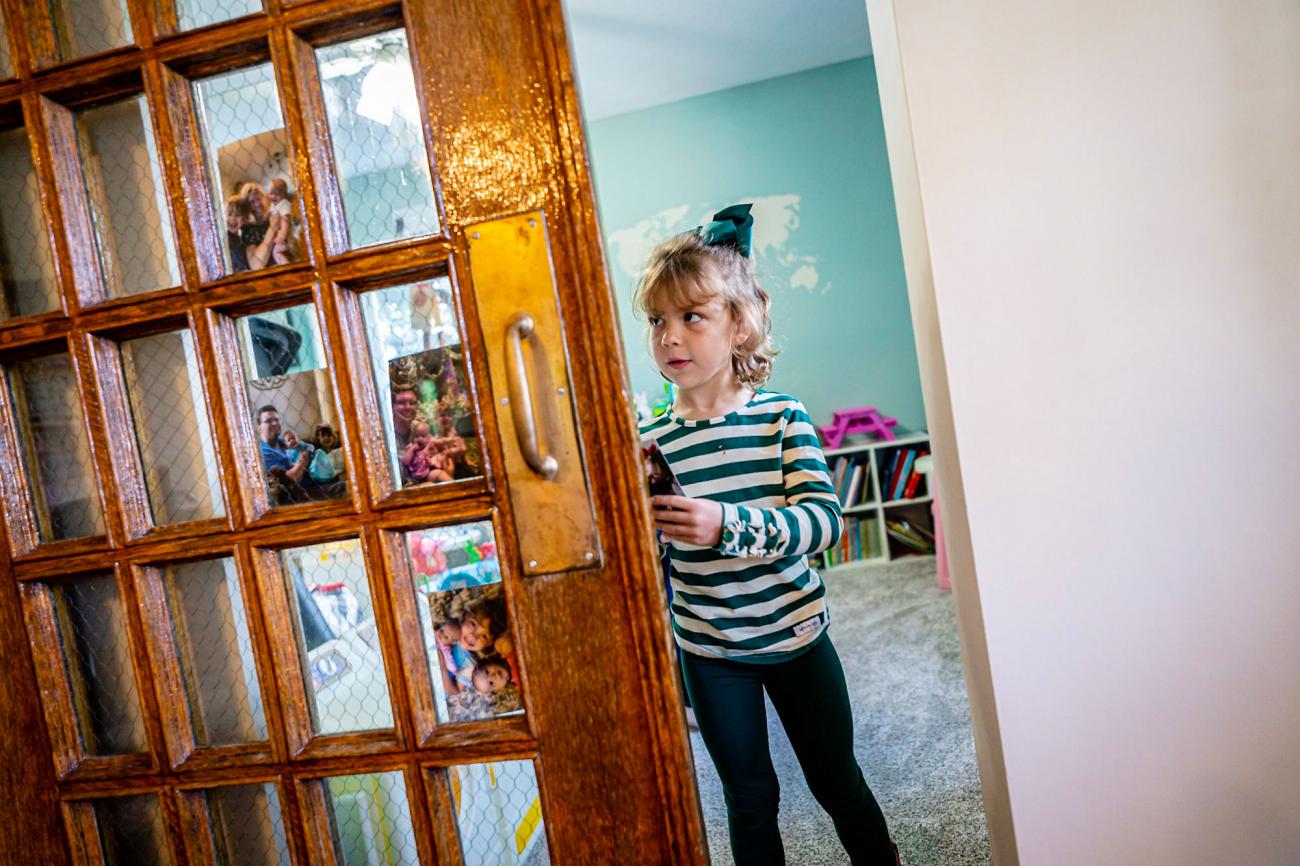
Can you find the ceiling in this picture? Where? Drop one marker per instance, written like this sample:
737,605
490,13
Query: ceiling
632,54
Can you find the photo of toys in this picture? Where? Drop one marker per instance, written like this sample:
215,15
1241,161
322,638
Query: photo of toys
435,439
467,633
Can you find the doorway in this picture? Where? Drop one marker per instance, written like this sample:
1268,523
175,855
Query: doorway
691,110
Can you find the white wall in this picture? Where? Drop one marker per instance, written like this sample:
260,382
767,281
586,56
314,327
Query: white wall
1111,197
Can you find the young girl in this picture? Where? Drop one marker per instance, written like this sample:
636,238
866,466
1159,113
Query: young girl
748,612
457,664
328,441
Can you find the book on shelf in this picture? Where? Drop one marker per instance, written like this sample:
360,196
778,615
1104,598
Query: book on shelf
851,480
858,541
911,535
837,474
867,539
888,478
904,469
904,479
855,482
914,481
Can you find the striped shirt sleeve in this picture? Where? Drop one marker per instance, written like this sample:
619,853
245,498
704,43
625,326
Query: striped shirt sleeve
810,521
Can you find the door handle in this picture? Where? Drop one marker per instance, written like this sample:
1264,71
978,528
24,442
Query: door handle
520,328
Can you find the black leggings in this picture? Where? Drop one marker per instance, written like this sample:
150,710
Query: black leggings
810,697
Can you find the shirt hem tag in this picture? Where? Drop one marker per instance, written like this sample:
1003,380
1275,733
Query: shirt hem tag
807,625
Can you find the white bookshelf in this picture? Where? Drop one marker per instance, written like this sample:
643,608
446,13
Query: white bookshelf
876,454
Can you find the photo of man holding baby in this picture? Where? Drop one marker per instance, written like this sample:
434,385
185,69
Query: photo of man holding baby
297,470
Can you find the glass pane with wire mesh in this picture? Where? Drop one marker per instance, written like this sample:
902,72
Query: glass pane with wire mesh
132,831
170,415
27,280
127,197
55,449
6,60
83,27
371,820
250,170
209,625
468,641
247,827
91,622
338,643
498,813
379,154
191,14
418,363
292,403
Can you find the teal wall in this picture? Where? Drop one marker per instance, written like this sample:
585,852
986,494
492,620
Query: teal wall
809,148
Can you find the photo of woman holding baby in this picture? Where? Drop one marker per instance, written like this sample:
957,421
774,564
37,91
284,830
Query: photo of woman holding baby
262,228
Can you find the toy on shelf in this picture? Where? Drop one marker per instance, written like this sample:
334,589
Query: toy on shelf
665,400
641,402
865,419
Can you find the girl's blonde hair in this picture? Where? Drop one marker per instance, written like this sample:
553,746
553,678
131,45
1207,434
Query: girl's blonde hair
688,272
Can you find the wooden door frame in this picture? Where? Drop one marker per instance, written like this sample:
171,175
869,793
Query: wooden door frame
938,411
617,779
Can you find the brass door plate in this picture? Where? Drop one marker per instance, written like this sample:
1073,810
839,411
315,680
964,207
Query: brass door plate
546,475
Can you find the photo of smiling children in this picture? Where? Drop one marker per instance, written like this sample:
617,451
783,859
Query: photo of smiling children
467,634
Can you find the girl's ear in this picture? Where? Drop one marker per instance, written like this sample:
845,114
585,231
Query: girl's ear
738,334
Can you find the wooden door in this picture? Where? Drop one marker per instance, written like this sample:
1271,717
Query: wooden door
437,635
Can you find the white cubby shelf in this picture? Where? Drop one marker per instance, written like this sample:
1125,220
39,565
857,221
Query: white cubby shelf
866,515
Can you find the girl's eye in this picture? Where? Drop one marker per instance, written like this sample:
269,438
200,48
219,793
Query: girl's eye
655,321
693,317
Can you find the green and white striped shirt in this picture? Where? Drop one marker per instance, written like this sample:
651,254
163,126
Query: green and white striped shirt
753,597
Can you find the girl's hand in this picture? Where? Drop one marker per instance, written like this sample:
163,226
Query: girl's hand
693,521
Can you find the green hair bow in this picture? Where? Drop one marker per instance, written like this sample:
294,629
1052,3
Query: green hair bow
731,225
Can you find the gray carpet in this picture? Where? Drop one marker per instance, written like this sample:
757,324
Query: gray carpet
897,635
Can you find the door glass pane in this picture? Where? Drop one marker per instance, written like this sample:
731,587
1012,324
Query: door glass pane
83,27
131,831
56,455
418,363
128,203
200,13
468,640
292,404
372,820
6,61
498,813
26,265
247,827
379,154
338,645
210,630
246,150
97,656
171,427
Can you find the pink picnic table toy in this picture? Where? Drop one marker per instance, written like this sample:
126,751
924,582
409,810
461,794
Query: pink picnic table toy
865,419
